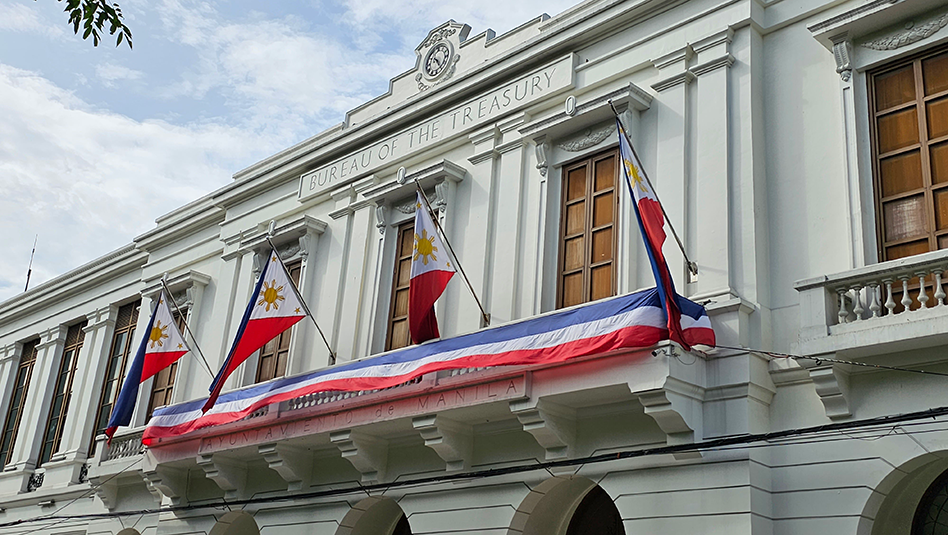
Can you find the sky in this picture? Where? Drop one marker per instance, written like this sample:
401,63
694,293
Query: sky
97,142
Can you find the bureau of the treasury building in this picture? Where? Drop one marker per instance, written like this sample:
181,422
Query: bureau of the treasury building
800,149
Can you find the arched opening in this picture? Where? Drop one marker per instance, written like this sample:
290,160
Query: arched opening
128,531
931,516
235,523
914,499
375,515
571,505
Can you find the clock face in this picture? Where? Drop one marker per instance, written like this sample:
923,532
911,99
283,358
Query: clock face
437,60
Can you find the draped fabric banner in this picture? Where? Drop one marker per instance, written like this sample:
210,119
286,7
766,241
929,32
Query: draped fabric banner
627,321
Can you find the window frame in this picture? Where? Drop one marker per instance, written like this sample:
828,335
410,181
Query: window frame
588,161
923,146
390,319
33,346
123,365
75,338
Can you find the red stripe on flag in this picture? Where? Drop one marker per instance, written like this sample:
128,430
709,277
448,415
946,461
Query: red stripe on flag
423,291
155,362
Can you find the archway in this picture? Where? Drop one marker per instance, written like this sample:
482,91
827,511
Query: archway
910,494
235,523
128,531
572,505
375,515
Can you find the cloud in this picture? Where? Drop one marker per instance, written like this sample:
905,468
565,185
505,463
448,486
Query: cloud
88,180
109,73
25,18
275,69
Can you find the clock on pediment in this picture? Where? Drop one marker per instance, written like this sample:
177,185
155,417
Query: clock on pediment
437,56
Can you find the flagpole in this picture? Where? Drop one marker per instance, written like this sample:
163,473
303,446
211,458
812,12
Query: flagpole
692,267
332,354
185,319
447,242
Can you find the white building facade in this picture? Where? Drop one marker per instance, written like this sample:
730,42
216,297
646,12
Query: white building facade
799,148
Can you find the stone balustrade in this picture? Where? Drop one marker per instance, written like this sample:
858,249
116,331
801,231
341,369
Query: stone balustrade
880,297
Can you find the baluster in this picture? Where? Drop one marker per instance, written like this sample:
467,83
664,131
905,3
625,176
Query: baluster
858,309
939,292
906,298
843,313
874,304
922,295
889,300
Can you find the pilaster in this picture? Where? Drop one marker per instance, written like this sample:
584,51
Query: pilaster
506,248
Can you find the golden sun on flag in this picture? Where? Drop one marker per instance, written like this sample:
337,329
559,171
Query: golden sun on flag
157,334
633,173
270,295
424,247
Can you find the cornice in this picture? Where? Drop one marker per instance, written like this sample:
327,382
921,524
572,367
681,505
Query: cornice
93,273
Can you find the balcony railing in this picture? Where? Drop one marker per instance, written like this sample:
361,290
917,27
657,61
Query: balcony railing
882,295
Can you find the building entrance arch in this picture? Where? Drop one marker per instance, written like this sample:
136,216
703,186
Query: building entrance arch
572,505
916,499
375,515
128,531
236,523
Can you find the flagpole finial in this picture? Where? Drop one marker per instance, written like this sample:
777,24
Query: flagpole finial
272,228
164,277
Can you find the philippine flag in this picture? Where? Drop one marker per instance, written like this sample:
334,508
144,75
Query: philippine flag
651,220
430,272
274,307
160,347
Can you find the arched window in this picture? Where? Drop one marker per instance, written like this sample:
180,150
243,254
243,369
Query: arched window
931,517
596,514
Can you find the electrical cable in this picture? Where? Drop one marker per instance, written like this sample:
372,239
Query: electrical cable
819,360
709,445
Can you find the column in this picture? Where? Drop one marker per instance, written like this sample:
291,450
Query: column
535,193
709,240
860,248
671,169
360,240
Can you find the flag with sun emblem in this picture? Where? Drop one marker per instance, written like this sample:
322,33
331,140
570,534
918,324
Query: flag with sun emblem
274,307
651,218
160,347
430,272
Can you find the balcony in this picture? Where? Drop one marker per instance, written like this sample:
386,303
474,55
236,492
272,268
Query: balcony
116,465
884,313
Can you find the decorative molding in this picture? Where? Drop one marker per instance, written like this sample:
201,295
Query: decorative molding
912,33
672,412
230,475
542,150
166,481
295,465
36,481
380,218
590,138
842,52
683,78
723,62
452,441
369,455
832,385
553,426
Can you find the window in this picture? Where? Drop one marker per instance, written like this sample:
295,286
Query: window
273,356
57,411
163,384
398,334
115,370
17,400
910,155
588,230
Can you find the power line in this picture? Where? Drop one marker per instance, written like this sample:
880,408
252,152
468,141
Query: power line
820,360
723,443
